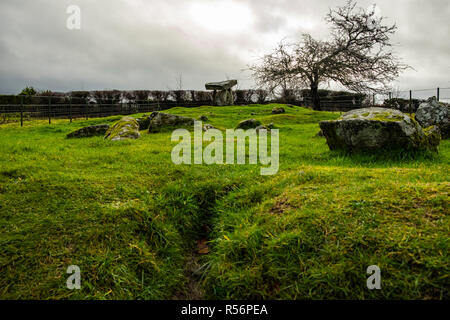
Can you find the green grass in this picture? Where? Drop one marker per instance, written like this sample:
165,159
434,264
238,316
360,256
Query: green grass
130,218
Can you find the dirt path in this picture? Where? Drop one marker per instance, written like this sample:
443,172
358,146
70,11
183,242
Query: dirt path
194,270
193,289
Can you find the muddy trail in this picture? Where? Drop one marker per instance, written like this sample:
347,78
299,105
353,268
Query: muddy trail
195,268
196,262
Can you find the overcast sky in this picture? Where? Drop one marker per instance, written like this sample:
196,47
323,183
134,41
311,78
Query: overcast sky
138,44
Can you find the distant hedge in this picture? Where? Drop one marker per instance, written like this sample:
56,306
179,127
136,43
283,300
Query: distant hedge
241,96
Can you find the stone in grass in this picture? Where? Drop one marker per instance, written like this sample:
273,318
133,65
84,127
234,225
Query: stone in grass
278,110
89,131
434,113
125,128
207,127
248,124
159,120
373,129
203,118
262,128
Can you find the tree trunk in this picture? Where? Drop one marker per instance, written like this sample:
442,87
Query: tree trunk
315,96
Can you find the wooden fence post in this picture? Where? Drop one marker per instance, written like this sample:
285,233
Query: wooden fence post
86,111
21,111
49,110
70,109
438,92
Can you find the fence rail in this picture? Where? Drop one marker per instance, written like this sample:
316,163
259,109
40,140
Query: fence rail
71,111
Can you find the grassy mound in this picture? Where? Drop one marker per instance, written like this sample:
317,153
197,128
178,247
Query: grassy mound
130,218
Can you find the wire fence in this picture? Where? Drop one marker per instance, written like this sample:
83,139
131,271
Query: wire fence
25,108
408,101
73,109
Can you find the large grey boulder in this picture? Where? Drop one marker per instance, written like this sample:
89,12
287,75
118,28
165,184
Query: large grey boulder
159,120
89,131
434,113
372,129
125,128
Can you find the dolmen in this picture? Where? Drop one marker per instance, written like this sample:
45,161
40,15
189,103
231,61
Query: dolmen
222,95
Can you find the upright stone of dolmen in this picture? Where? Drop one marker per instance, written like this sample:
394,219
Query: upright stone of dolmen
223,95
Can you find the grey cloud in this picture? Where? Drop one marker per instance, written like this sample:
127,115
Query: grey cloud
144,45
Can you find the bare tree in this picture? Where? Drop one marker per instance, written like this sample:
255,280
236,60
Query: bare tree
261,95
179,82
358,55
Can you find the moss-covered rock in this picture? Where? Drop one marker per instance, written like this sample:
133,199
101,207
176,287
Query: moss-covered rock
160,121
126,128
372,129
433,135
248,124
144,122
89,131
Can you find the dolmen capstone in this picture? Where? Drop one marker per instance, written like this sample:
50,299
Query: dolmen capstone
223,95
125,128
434,113
373,129
89,131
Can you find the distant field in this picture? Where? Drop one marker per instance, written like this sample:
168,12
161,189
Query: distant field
132,220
